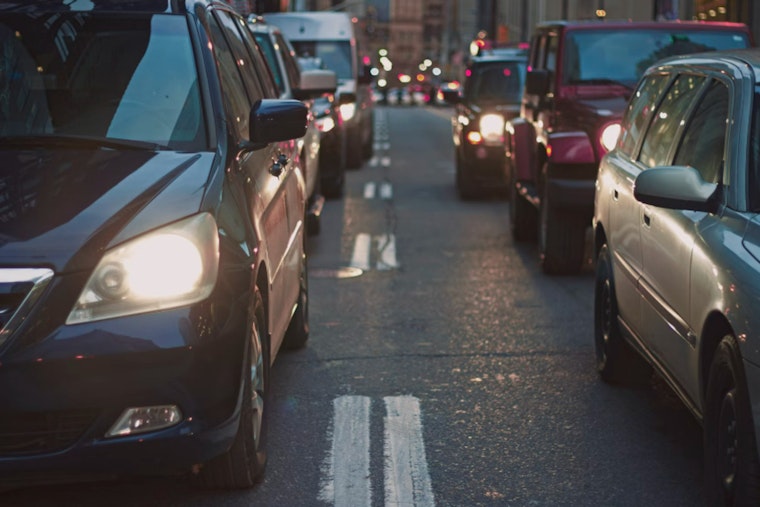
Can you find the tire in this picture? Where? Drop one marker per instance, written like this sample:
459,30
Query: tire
561,239
332,188
464,187
353,150
243,465
368,147
522,217
297,333
732,471
616,361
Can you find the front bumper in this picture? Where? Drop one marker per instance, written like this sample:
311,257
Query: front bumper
484,165
60,394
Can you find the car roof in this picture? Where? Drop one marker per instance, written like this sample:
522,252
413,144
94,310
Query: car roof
749,57
147,6
624,24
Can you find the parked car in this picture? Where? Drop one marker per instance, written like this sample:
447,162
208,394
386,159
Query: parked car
490,98
152,261
677,242
308,86
582,74
332,142
332,37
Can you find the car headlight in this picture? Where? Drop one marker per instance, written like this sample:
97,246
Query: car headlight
610,135
491,128
325,124
347,111
173,266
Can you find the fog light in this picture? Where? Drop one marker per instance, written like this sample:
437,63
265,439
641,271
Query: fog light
144,419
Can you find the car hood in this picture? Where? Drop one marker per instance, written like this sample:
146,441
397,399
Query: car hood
602,107
62,208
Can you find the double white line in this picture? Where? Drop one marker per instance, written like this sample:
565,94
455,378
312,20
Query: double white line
386,248
346,480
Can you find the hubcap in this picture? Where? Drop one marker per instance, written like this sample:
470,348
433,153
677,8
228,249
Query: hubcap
728,443
257,386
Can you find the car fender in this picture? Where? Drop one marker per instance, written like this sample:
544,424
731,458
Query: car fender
521,149
570,148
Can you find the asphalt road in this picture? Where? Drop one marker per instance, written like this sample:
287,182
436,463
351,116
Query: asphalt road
450,372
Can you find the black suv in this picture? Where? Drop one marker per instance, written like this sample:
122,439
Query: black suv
152,258
490,98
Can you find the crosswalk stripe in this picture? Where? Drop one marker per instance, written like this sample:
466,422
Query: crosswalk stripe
369,190
386,191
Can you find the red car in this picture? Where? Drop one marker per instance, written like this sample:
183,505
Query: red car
580,76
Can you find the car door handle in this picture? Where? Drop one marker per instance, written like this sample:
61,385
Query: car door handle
647,220
615,194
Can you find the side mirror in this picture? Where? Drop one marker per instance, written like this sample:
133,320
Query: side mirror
676,187
537,82
315,83
275,120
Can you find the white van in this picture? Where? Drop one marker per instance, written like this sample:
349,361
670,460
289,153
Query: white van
330,37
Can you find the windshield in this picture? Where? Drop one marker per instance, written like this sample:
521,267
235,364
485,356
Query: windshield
100,76
335,55
622,56
498,82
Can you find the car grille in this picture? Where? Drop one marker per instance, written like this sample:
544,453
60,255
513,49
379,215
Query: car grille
35,433
19,290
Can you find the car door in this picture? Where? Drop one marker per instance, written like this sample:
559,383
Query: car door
669,236
618,171
265,195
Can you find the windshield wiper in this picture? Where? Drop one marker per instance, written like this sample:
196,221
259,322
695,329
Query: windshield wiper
75,142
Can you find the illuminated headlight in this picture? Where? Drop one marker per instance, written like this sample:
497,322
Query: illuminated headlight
325,124
173,266
347,111
492,127
610,136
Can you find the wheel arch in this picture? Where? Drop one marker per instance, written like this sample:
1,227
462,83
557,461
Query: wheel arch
715,328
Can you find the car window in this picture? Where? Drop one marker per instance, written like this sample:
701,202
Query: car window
598,56
640,111
704,137
551,58
336,55
69,83
289,58
241,56
497,82
754,154
269,53
667,120
235,98
266,80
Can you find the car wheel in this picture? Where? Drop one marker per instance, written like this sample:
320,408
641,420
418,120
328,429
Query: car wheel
616,361
242,466
354,151
298,330
332,188
732,471
561,239
522,216
464,187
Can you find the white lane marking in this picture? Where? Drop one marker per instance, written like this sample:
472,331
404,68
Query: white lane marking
385,161
407,480
347,481
369,190
373,161
360,256
386,245
386,191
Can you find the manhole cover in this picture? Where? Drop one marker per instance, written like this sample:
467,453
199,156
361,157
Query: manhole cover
344,272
